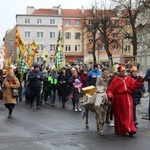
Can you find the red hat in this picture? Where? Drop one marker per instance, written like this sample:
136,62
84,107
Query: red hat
133,68
121,68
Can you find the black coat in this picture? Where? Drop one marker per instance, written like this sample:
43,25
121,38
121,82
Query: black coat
137,94
76,94
34,82
63,86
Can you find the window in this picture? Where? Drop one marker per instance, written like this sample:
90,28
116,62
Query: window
90,41
115,35
68,35
11,42
115,48
90,22
116,22
39,21
27,34
77,22
68,22
39,59
102,47
52,21
52,47
11,52
40,34
51,60
41,47
127,48
128,23
90,52
52,35
77,35
27,21
77,48
68,48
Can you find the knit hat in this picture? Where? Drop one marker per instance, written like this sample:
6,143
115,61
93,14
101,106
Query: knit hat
133,68
44,71
114,68
104,69
73,71
12,67
36,66
77,81
95,66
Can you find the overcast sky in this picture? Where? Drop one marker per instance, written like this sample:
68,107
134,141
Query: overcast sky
9,9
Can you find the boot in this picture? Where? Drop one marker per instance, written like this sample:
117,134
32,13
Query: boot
10,113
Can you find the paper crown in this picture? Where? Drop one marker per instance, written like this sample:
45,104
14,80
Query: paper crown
121,68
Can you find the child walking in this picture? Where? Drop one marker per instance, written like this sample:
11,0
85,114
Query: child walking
77,94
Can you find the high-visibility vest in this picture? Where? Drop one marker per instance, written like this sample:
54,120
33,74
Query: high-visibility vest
52,80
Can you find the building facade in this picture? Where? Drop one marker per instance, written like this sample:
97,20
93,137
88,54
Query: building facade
143,37
41,26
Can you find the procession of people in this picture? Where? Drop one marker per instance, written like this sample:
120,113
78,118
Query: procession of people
124,87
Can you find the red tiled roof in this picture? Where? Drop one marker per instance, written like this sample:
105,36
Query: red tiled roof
73,12
43,11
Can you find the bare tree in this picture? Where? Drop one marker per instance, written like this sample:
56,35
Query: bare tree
131,9
103,28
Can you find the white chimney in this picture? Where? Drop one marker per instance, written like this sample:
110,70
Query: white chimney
94,10
59,9
30,9
82,9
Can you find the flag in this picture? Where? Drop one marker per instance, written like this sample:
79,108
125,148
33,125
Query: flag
19,40
23,66
23,59
9,62
59,53
4,54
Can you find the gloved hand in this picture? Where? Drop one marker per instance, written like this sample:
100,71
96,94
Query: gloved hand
109,97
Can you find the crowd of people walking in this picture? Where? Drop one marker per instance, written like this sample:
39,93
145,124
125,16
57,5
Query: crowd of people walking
123,85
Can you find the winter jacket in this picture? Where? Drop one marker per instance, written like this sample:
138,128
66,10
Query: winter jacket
92,77
53,80
102,81
63,86
83,79
34,82
76,94
137,94
147,78
7,92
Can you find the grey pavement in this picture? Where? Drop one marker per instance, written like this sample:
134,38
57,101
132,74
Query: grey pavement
57,128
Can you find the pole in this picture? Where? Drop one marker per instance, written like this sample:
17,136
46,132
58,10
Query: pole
122,50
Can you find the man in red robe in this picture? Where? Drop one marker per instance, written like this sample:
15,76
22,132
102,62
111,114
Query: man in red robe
119,91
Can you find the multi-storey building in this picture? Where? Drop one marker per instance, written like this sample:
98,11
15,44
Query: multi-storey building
41,26
73,34
9,41
1,56
143,37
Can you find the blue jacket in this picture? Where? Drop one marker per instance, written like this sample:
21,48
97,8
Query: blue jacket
34,82
137,94
92,77
147,78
